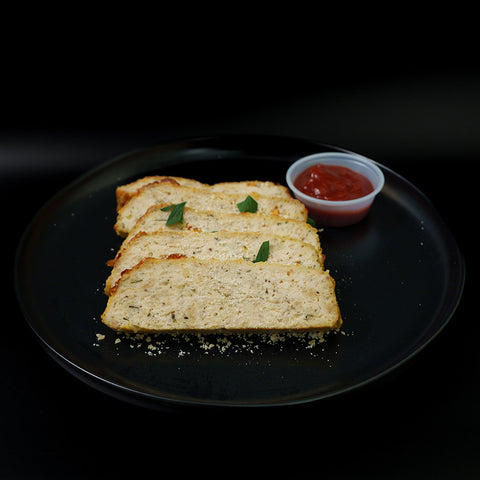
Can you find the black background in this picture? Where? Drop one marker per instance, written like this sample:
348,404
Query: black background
415,110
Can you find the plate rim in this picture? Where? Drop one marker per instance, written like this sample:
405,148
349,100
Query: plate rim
151,400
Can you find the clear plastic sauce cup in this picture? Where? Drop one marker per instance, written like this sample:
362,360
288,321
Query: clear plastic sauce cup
337,213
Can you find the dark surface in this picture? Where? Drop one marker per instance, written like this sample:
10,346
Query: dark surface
421,420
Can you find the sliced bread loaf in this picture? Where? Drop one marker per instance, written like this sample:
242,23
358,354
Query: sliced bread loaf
189,294
269,189
155,219
219,245
168,193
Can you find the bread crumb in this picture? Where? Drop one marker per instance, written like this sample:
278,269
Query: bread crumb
228,343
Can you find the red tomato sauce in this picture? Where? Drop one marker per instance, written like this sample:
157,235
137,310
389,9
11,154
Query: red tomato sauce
333,182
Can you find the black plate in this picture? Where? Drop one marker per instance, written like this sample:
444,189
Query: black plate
399,277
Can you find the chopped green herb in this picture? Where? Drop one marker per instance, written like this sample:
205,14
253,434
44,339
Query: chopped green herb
311,222
248,205
176,214
263,251
166,209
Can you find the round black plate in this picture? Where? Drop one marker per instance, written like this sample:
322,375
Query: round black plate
399,277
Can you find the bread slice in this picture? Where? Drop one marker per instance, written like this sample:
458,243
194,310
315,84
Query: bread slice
247,187
219,245
168,193
125,192
189,294
154,220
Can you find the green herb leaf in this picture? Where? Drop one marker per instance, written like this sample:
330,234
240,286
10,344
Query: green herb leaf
248,205
176,214
263,251
311,222
166,209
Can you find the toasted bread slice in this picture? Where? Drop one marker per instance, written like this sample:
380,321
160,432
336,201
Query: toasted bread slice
168,193
247,187
155,219
219,245
125,192
269,189
189,294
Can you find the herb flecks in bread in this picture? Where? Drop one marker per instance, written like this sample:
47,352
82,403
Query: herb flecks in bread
188,294
198,220
229,257
125,192
167,193
222,245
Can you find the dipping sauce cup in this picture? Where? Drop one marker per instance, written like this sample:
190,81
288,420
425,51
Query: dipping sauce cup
337,213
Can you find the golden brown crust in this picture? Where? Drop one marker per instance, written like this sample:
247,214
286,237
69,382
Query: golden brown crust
214,295
164,193
125,192
219,244
294,298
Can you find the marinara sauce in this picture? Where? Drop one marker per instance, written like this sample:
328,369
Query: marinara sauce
333,182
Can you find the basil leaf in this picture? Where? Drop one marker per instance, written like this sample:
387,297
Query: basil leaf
311,222
176,214
263,251
166,209
248,205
